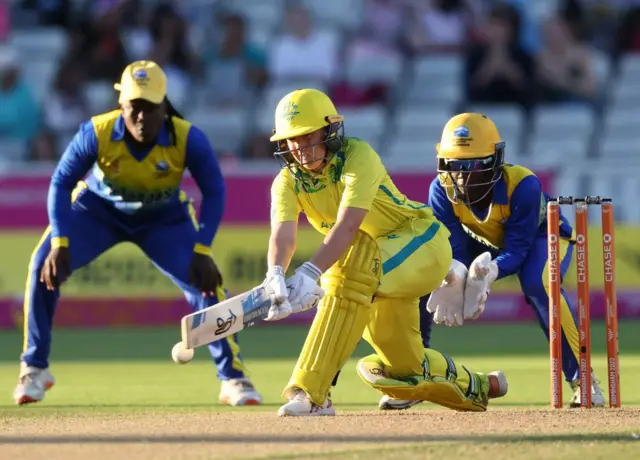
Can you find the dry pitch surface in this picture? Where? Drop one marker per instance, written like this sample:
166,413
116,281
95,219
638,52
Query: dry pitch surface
497,434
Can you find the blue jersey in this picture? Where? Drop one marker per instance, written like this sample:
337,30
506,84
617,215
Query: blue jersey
517,216
137,186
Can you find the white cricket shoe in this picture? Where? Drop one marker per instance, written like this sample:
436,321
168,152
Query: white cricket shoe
239,392
32,384
597,396
387,403
301,406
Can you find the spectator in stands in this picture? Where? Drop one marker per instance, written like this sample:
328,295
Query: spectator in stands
440,25
529,25
383,23
19,112
51,12
302,52
43,148
66,107
137,37
628,34
379,36
500,70
564,67
171,50
97,43
236,69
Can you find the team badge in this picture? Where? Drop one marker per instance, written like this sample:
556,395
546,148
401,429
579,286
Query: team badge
290,111
141,78
162,169
461,131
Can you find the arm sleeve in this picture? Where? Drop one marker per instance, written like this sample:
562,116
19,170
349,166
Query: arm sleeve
76,161
521,227
362,175
443,210
284,202
204,168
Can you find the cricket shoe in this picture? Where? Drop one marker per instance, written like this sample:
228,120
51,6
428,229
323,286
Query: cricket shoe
597,396
239,392
388,403
302,406
32,384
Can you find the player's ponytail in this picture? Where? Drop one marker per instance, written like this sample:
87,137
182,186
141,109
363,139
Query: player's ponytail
172,112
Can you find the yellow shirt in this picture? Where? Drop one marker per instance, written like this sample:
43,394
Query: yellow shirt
354,178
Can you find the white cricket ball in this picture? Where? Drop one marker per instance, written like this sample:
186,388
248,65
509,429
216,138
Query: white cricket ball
181,354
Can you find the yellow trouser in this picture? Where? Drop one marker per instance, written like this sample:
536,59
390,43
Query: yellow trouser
414,261
414,264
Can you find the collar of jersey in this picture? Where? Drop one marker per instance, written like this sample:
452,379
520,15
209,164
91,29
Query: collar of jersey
119,129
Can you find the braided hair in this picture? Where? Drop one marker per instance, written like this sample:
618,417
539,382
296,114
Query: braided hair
172,112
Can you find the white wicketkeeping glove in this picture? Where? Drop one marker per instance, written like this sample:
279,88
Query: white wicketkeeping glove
482,273
304,292
447,301
281,308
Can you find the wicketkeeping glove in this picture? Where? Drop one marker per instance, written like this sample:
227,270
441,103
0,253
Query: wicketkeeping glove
482,273
447,301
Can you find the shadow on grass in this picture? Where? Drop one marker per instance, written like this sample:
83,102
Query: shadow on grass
333,439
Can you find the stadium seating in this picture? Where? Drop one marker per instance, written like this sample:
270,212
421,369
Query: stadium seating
574,141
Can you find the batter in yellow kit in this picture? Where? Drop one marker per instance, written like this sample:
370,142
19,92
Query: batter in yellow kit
381,253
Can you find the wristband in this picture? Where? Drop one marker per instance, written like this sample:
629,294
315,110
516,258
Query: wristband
202,249
310,270
59,242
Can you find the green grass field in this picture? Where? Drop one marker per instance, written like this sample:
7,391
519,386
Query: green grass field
127,375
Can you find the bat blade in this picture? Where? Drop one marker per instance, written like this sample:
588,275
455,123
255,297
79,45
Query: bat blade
226,318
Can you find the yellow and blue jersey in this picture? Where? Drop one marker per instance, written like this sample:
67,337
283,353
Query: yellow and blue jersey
136,187
516,217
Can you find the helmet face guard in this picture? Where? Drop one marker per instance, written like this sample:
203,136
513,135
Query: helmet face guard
471,168
333,141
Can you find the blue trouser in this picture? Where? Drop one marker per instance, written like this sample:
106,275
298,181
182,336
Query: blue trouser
533,282
95,229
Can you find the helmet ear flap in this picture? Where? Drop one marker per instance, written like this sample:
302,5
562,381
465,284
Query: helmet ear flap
334,134
499,161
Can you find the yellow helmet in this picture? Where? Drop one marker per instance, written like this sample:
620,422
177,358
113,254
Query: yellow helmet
303,111
469,135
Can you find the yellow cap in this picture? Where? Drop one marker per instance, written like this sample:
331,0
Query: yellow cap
302,112
142,80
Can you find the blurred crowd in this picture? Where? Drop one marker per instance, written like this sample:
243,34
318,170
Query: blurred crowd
221,55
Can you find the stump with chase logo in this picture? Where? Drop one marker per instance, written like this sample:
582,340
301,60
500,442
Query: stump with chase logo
584,314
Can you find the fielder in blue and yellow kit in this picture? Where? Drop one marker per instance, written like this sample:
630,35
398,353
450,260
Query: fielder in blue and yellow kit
135,158
496,214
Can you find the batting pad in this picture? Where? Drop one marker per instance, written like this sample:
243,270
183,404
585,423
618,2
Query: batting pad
340,320
466,392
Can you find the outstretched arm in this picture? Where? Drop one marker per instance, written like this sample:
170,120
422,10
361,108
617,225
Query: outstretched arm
75,163
204,168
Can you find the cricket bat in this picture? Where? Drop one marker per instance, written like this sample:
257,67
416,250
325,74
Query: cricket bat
227,317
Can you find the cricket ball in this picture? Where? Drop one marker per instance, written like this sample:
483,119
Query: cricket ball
181,354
